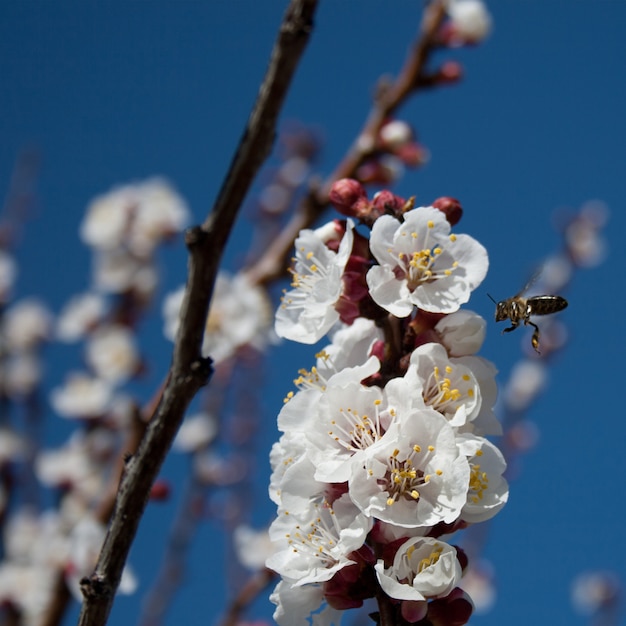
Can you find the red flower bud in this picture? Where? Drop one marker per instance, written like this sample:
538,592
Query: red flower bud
450,72
386,202
160,491
348,196
450,207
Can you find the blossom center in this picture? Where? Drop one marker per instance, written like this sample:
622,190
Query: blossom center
425,264
354,431
403,478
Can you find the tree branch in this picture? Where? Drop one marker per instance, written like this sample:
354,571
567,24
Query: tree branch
189,370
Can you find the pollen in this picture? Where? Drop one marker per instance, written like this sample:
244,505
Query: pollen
452,237
431,224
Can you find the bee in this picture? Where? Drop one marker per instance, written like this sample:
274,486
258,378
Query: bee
519,309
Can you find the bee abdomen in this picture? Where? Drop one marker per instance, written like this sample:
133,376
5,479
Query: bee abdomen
545,305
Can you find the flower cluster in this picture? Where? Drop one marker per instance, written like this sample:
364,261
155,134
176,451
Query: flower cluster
383,447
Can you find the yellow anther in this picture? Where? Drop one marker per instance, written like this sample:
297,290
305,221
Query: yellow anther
452,237
431,224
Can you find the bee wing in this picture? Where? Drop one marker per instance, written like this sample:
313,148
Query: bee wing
531,281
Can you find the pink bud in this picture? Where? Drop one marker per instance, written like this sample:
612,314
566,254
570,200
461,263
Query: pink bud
160,491
348,196
413,154
450,207
386,202
450,72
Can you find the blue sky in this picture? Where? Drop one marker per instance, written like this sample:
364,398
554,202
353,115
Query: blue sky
114,92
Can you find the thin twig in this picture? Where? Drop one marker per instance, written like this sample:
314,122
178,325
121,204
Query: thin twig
189,370
273,263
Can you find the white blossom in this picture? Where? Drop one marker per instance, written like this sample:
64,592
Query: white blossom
315,544
117,271
21,374
470,19
25,324
298,605
134,217
108,218
112,353
462,332
240,315
82,396
414,475
422,264
79,315
488,490
462,389
253,547
307,312
422,568
196,432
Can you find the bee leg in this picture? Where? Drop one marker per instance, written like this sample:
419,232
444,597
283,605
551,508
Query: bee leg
535,337
513,326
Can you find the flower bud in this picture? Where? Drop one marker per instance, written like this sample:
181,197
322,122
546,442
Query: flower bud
386,202
160,491
349,197
450,207
449,72
395,134
470,23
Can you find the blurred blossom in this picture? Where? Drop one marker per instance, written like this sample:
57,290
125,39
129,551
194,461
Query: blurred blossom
274,198
136,217
253,547
8,271
85,542
478,582
11,445
294,171
594,592
396,133
526,382
70,466
82,396
160,213
27,587
21,374
196,432
112,353
585,243
25,324
556,272
240,315
80,315
470,21
117,271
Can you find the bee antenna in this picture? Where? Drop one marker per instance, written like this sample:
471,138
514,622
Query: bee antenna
489,295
